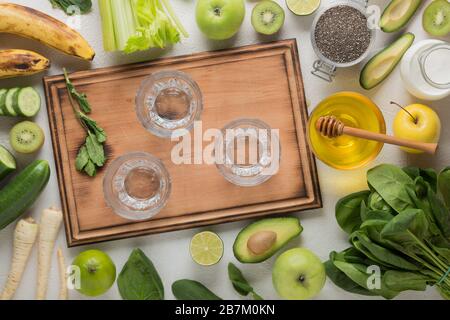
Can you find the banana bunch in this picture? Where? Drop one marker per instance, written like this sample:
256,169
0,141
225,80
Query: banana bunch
33,24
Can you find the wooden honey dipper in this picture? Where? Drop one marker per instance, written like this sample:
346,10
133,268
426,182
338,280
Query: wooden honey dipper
332,127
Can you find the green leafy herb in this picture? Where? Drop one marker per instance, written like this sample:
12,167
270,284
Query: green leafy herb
139,279
192,290
240,284
80,97
401,225
73,6
91,155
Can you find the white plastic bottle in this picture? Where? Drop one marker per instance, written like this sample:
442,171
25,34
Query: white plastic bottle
425,69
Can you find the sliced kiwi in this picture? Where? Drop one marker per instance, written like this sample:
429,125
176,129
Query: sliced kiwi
26,137
436,18
267,17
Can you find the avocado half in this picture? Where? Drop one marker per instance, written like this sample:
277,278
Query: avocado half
381,65
397,14
286,229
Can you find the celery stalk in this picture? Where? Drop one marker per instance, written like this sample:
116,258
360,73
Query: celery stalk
109,42
174,18
123,22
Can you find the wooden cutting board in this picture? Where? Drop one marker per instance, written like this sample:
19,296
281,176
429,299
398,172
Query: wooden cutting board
258,81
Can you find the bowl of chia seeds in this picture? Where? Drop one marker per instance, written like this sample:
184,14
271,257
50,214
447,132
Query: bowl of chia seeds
340,35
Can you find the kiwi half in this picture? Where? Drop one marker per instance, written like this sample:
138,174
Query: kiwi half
267,17
26,137
436,18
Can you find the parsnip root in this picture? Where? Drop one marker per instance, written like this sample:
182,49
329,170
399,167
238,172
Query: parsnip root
25,236
50,224
63,291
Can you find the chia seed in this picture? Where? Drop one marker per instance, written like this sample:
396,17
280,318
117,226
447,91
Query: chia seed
341,34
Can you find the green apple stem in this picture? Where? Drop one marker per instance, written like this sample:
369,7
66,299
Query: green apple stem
404,109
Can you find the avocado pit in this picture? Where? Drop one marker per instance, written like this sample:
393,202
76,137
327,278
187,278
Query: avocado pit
261,241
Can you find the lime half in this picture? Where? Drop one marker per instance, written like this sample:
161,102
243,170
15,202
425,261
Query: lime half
302,7
206,248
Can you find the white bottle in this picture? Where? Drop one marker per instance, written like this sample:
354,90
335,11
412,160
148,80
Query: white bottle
425,69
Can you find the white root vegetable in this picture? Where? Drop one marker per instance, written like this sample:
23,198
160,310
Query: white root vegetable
63,291
50,223
25,236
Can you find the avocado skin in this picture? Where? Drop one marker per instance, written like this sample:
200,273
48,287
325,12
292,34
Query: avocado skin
365,75
286,228
396,25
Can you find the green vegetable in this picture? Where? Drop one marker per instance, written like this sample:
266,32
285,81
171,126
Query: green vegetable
404,230
348,210
135,25
444,185
91,155
240,284
7,162
68,6
139,279
192,290
21,192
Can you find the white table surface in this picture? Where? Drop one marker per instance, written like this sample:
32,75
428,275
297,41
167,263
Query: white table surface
169,252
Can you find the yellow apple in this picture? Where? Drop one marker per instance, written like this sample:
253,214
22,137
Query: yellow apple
419,123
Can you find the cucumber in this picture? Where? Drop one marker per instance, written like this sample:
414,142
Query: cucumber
20,194
2,101
9,103
27,102
7,162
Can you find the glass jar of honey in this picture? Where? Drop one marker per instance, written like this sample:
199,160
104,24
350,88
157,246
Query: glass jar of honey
346,152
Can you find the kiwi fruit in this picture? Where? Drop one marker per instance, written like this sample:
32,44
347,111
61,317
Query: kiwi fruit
267,17
26,137
436,18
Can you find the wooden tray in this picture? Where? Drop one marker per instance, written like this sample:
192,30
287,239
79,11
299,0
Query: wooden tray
258,81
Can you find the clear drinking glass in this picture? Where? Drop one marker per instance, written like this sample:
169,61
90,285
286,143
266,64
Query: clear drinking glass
168,101
136,186
249,153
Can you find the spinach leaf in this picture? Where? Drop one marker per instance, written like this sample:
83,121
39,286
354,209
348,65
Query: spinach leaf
66,5
341,280
444,185
428,175
406,228
139,279
192,290
348,211
440,213
390,182
376,202
359,274
240,284
90,168
381,254
404,280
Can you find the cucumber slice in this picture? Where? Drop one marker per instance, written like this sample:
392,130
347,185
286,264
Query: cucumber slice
7,162
9,103
2,101
381,65
27,102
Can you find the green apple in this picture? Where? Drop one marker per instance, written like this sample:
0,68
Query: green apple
298,274
419,123
220,19
97,272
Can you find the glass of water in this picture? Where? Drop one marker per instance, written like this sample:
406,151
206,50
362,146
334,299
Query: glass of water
136,186
249,152
168,103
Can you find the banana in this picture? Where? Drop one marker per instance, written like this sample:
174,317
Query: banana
21,63
33,24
